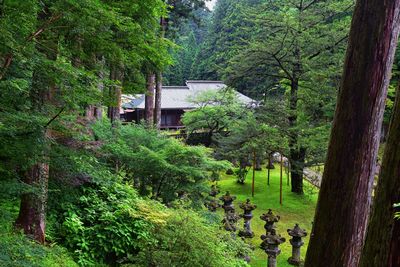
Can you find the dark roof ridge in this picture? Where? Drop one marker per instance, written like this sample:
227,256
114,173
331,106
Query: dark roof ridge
202,81
174,87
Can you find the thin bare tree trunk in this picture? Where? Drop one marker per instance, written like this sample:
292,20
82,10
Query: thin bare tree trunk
116,75
345,196
149,98
382,243
157,108
281,180
254,173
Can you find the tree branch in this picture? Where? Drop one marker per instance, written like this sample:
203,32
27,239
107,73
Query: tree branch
328,47
9,58
55,117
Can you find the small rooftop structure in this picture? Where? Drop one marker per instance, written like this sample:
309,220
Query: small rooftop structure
175,100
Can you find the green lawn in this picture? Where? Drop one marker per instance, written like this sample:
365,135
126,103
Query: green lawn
295,209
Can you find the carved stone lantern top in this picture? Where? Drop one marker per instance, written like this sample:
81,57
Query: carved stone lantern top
273,238
247,206
227,197
297,231
269,217
214,190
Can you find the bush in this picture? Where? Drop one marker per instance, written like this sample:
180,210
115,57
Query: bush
188,240
109,225
241,174
160,167
18,250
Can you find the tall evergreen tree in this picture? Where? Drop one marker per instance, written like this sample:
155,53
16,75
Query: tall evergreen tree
345,195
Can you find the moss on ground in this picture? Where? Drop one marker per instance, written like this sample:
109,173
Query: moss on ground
295,209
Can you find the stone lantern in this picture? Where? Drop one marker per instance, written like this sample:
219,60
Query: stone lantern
247,215
212,205
296,241
270,244
270,219
228,202
214,191
230,221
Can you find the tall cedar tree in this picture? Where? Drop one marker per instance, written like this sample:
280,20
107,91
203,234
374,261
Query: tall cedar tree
382,243
345,196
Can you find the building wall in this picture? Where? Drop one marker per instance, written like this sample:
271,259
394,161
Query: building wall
170,118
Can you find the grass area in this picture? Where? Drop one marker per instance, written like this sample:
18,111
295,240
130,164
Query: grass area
18,250
295,209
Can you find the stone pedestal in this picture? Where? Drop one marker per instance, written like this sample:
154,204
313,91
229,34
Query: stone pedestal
296,241
247,215
212,205
230,221
270,244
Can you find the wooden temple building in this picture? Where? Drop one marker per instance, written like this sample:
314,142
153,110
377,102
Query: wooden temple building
175,101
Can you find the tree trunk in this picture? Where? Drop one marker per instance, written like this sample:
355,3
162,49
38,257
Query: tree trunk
113,112
381,233
254,173
98,109
149,98
297,161
345,195
296,153
258,163
157,111
281,180
32,213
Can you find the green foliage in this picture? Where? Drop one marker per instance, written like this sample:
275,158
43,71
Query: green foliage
18,250
160,167
107,225
189,37
397,214
215,114
189,240
110,224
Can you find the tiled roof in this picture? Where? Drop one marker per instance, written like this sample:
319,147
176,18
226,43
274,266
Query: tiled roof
178,97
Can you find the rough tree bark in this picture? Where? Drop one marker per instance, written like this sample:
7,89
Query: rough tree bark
382,243
32,213
157,107
149,98
345,195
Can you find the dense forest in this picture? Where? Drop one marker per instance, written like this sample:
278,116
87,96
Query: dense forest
287,114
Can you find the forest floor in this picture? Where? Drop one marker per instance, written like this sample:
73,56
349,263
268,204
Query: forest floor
295,209
17,250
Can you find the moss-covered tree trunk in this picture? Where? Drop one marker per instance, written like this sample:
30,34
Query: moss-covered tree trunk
345,195
382,243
